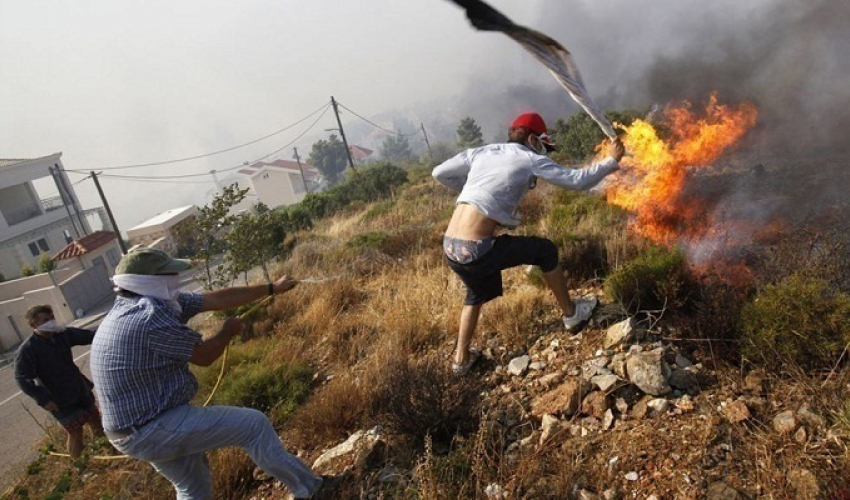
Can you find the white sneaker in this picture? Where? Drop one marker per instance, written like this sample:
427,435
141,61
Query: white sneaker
584,310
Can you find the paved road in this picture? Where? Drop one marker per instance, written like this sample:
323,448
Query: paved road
23,421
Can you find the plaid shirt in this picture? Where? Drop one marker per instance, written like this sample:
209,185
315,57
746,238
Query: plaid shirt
140,359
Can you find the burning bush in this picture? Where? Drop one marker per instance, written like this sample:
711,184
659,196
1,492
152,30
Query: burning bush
801,321
656,279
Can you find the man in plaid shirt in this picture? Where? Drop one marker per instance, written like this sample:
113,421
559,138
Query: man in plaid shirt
140,364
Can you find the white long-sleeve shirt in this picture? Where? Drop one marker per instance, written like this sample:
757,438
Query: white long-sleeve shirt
494,178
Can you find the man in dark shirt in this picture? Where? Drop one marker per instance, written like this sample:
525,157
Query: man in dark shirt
45,371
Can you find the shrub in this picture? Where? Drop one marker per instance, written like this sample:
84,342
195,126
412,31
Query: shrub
367,185
276,390
45,263
373,239
590,234
801,321
27,271
656,279
420,398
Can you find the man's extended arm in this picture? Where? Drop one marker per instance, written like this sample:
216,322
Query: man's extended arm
227,298
211,348
579,178
79,336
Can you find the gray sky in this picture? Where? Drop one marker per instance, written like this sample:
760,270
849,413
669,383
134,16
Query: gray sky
117,83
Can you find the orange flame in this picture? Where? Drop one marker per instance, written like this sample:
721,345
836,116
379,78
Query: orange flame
656,170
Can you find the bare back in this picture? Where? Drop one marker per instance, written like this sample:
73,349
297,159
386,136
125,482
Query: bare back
468,223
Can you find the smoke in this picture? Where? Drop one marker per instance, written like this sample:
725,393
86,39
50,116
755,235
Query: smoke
786,56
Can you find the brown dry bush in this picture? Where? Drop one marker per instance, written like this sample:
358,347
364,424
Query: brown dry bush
419,398
333,413
233,475
516,316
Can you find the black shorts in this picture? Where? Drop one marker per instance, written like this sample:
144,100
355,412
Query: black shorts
483,277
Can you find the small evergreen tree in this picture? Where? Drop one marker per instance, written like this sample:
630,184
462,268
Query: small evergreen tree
469,134
396,149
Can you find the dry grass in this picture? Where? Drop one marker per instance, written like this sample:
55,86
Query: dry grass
378,335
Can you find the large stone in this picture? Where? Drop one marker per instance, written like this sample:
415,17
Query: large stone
658,406
518,365
605,382
737,412
618,365
562,400
648,371
360,450
785,423
595,366
682,379
803,484
596,404
722,491
618,334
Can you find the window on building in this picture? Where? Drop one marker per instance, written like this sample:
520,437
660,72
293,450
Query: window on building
38,246
67,235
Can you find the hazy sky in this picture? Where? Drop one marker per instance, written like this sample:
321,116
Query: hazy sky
127,82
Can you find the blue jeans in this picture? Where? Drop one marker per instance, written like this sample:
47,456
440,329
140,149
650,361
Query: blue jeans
175,441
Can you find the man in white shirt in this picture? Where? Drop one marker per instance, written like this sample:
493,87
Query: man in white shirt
491,181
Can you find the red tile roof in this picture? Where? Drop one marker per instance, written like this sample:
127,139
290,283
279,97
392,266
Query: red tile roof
359,152
85,245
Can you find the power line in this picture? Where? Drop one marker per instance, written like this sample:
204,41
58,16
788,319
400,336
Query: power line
373,123
164,178
168,162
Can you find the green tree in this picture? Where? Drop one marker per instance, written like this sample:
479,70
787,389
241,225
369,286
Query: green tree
255,239
45,263
330,157
578,135
208,229
396,149
469,134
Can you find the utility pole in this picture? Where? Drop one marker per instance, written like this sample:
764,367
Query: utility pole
342,133
295,151
422,126
109,213
78,211
60,188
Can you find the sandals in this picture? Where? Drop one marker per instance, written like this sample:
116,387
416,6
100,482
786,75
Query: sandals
461,370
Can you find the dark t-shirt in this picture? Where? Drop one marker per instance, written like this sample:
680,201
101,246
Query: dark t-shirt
45,368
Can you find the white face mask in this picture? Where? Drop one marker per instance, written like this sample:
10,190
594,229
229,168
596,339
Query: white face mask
540,148
51,327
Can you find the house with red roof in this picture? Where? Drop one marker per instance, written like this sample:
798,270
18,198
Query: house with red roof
276,183
97,248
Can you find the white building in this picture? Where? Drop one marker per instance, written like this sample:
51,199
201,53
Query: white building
275,184
157,232
34,219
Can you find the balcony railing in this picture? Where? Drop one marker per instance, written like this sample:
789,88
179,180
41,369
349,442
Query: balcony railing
50,204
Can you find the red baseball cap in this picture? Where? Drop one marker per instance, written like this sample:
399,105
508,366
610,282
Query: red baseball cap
535,124
532,121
